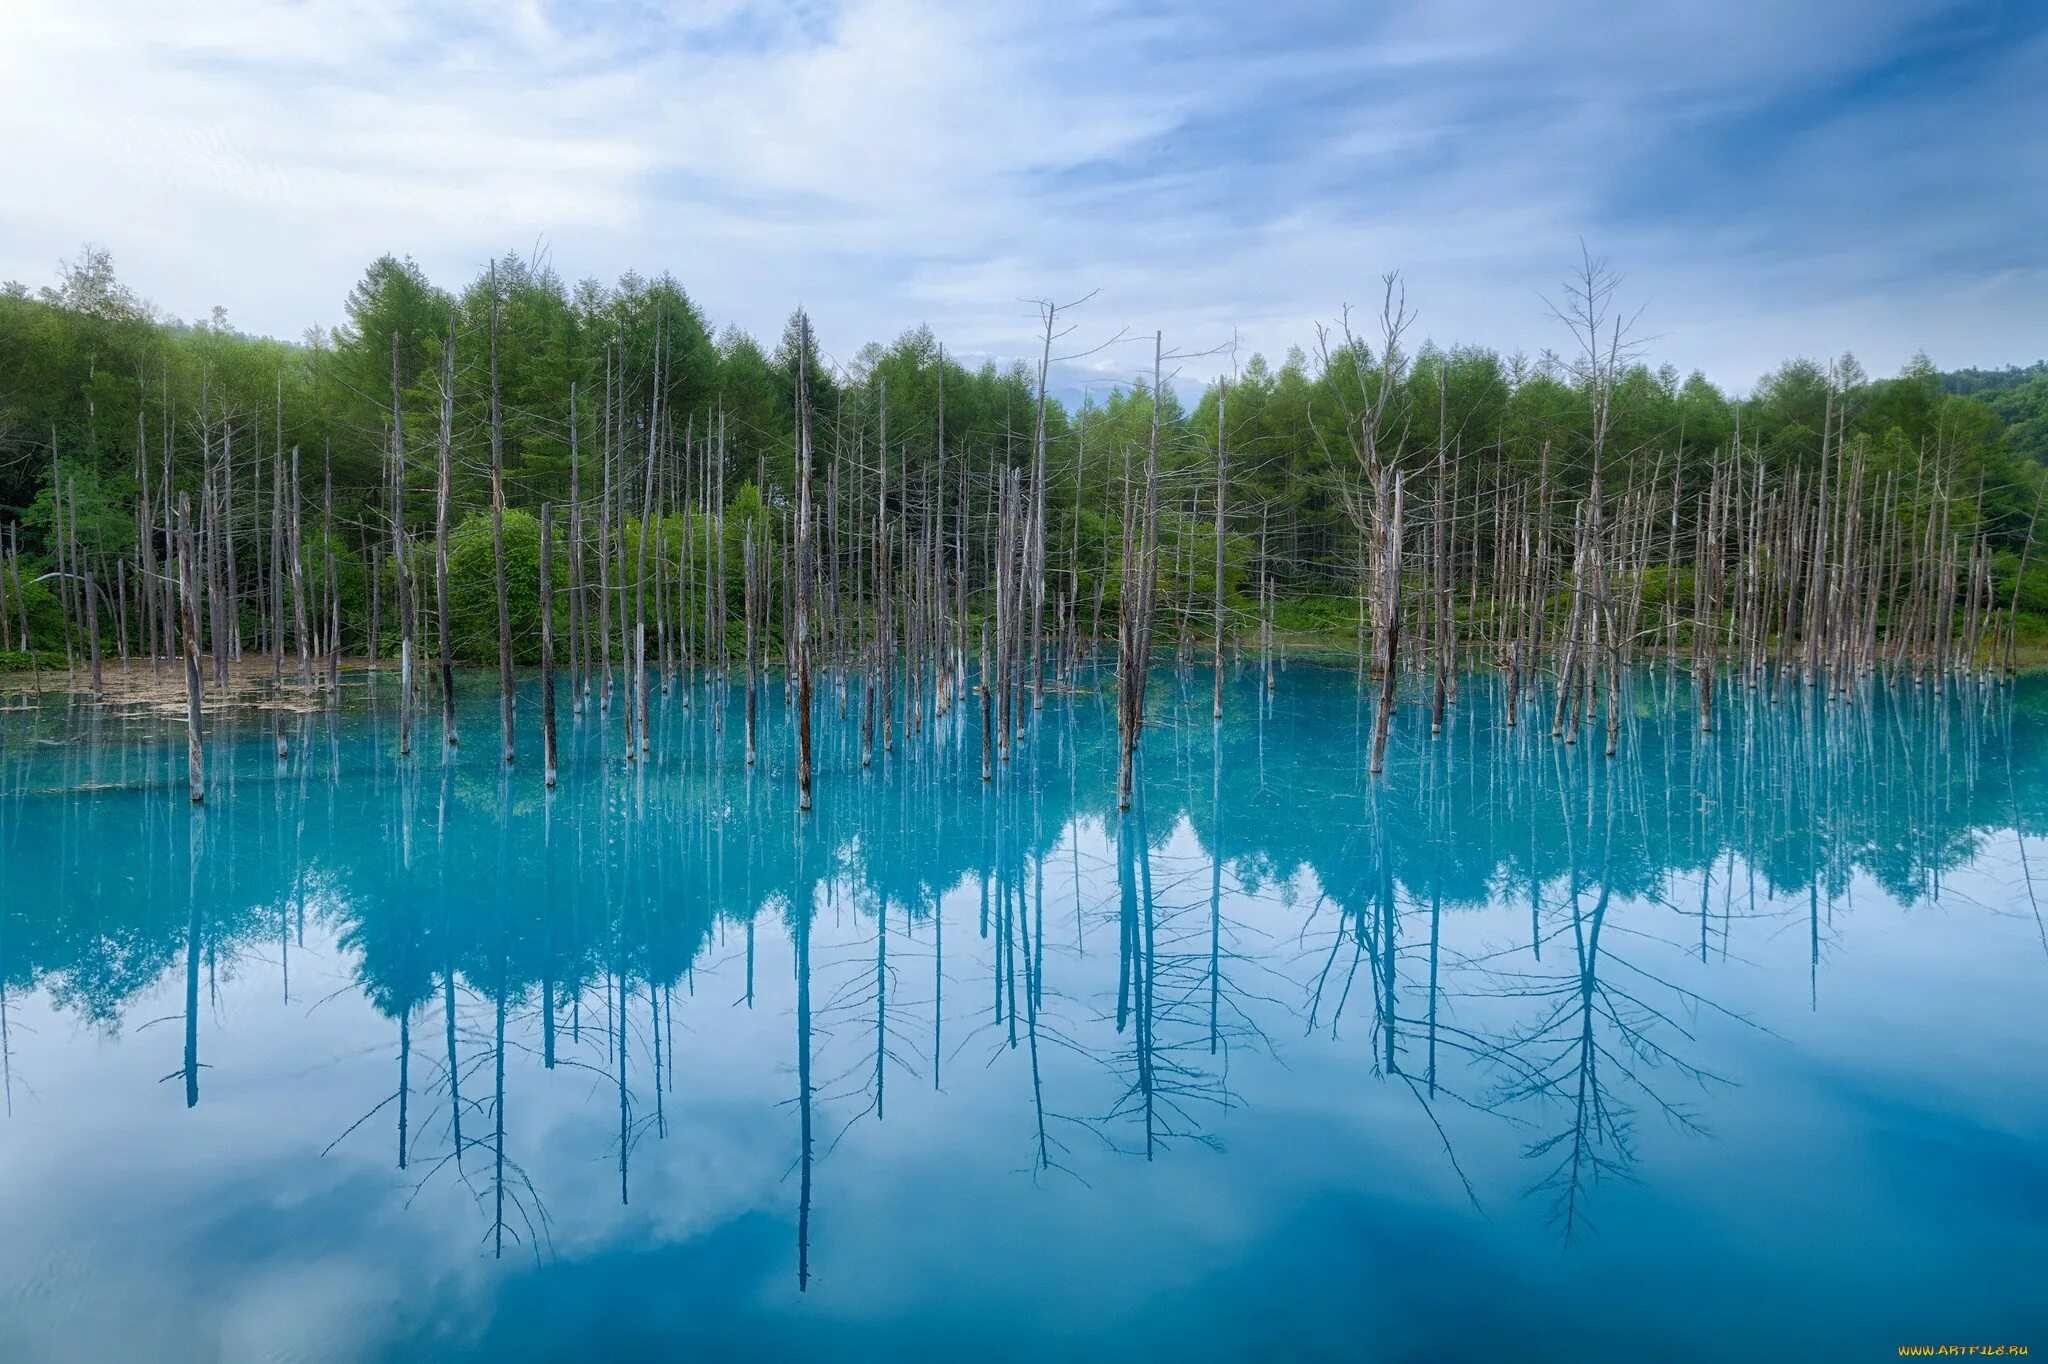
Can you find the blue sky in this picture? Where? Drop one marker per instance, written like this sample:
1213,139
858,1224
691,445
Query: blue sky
1773,178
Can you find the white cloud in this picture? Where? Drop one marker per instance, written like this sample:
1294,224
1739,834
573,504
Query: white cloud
888,162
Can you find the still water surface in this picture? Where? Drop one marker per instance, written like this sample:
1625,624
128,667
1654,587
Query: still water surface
1730,1047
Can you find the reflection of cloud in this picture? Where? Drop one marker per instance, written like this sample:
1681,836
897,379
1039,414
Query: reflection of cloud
1774,181
1421,905
223,1231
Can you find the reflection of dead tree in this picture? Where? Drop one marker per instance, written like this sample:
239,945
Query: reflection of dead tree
1594,1048
1164,982
800,908
1034,996
871,993
7,1026
507,1195
498,1121
2019,838
1374,932
619,1027
1016,928
194,854
802,933
1229,1018
1031,930
1026,1017
621,1036
509,1191
6,1030
498,985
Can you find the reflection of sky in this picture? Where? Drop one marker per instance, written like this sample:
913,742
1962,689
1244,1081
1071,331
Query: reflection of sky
1870,1169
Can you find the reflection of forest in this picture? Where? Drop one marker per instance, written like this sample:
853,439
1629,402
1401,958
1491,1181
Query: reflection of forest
481,915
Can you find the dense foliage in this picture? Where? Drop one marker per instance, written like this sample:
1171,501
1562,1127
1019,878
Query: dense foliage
92,383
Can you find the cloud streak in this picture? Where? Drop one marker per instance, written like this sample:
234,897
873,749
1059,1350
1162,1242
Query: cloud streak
1775,179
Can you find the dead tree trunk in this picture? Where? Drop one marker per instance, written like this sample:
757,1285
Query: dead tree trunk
1134,642
547,642
1222,484
298,553
1390,613
750,567
444,490
505,680
801,569
188,593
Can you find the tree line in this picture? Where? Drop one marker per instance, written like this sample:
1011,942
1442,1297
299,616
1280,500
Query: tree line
87,365
381,489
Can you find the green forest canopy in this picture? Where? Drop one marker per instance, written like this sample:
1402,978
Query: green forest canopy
89,375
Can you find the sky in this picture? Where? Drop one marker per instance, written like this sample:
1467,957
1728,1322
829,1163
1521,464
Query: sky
1771,178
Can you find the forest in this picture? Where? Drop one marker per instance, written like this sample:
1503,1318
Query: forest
1372,494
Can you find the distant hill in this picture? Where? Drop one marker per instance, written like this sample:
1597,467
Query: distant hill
2018,394
1982,381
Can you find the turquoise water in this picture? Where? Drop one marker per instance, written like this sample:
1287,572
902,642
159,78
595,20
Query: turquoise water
1729,1047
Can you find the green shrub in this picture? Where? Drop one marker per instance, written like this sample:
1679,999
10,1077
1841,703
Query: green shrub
45,616
1315,615
18,661
472,587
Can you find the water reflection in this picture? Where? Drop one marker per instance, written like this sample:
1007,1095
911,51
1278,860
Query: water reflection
1545,954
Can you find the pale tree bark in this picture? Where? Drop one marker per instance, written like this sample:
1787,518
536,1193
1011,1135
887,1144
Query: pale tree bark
506,684
443,494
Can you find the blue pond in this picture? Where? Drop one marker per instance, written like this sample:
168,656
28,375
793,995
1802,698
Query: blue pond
1731,1046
